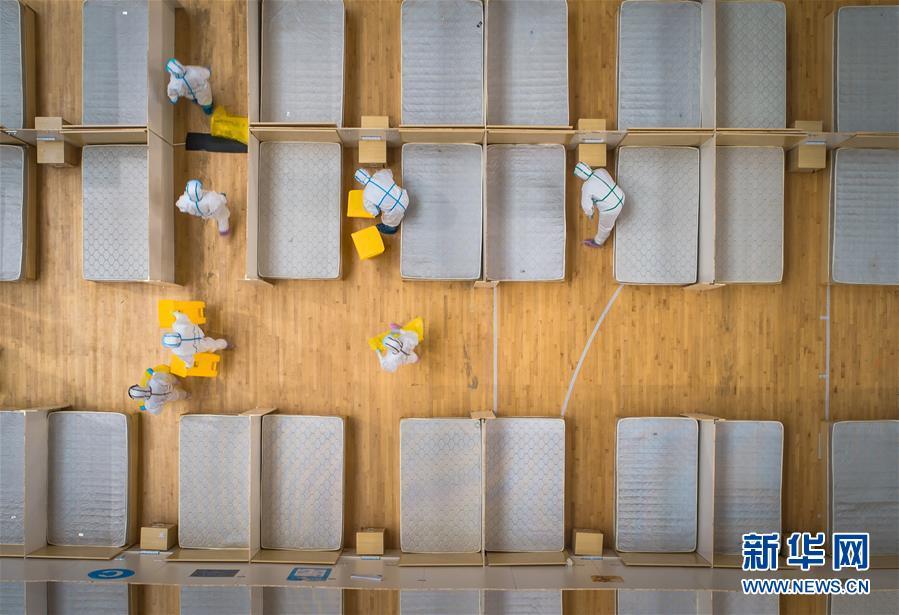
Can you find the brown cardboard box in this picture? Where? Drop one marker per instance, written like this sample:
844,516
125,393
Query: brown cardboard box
158,537
586,542
593,154
370,541
807,158
58,153
372,152
809,125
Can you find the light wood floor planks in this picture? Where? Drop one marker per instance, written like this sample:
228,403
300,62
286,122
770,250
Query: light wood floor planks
740,352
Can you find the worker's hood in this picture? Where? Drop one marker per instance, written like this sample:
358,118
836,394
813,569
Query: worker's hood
362,176
583,171
175,67
194,190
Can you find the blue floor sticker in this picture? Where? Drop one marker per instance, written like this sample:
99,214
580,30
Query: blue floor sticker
108,574
309,574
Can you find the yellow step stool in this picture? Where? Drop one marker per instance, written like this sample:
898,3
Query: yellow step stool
376,343
231,127
195,310
368,242
206,365
354,207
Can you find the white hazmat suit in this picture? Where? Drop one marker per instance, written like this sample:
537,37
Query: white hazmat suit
161,389
205,204
399,349
602,194
383,197
188,340
191,82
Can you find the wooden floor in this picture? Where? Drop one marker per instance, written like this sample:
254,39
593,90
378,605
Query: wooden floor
741,352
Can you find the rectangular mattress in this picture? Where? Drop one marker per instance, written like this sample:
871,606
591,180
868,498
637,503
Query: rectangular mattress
299,210
525,212
301,601
440,462
13,183
12,478
657,235
738,603
12,598
443,232
12,94
440,602
302,61
527,63
522,602
114,62
865,216
751,64
115,209
748,474
749,234
656,602
443,62
875,603
659,52
867,82
865,483
656,476
87,598
215,600
525,474
214,482
302,482
87,499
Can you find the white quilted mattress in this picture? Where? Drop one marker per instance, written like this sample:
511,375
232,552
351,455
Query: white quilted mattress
749,237
12,598
299,210
446,602
525,212
865,481
12,94
443,62
214,482
752,64
13,183
302,482
748,474
12,478
87,599
657,602
867,82
215,600
657,233
659,65
527,63
87,499
656,476
875,603
738,603
525,474
114,62
866,216
522,602
302,61
443,230
440,485
301,601
115,210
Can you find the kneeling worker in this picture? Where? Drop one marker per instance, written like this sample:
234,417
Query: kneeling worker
383,197
191,82
189,340
600,193
399,348
160,389
205,204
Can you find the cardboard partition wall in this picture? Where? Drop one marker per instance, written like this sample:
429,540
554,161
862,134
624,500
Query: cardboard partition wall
19,99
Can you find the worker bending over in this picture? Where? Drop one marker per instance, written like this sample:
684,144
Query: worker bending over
600,193
191,82
205,204
188,340
160,389
383,197
399,348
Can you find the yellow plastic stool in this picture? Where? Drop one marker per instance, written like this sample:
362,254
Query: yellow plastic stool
354,207
376,343
368,242
206,365
195,310
231,127
148,373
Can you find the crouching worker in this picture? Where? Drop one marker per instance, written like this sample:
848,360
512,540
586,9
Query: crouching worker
205,204
188,340
191,82
160,389
383,197
602,194
399,348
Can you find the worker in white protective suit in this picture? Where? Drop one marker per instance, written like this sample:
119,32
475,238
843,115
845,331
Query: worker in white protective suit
599,193
205,204
399,348
188,340
383,197
160,389
191,82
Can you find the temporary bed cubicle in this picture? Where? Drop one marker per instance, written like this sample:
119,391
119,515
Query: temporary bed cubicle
302,489
18,210
125,47
476,602
17,65
642,602
199,600
71,598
